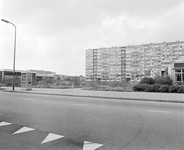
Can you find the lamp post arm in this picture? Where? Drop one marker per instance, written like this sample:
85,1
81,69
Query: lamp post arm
13,25
5,20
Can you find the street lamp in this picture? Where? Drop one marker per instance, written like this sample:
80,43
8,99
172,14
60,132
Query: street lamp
6,21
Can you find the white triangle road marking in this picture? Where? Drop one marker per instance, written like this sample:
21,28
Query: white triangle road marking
51,137
91,146
4,123
23,129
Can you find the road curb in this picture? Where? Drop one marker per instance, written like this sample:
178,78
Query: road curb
89,96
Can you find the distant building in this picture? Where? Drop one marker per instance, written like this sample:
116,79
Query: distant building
60,77
132,62
8,74
38,75
43,75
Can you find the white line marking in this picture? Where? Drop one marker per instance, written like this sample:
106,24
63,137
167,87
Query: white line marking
80,104
23,129
158,111
51,137
91,146
4,123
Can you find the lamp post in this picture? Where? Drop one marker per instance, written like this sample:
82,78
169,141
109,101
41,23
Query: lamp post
6,21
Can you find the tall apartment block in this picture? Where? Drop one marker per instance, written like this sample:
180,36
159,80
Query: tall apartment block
133,61
105,63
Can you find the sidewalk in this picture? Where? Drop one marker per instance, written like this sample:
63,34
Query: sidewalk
139,96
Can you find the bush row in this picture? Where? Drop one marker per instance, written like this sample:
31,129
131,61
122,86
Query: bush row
103,88
159,88
157,80
106,83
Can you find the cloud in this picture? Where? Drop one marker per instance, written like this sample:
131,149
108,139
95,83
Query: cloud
128,29
50,17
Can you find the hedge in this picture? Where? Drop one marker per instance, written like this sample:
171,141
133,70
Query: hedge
163,80
147,80
157,80
159,88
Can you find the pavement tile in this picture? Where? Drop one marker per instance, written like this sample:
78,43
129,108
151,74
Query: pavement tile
168,97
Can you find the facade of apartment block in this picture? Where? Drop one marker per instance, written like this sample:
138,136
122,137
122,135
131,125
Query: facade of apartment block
105,63
133,61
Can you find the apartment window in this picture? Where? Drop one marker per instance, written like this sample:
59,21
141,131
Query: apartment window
178,76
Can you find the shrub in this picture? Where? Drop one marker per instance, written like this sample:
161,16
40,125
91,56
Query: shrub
155,88
178,83
107,84
117,83
140,87
149,88
136,87
147,80
164,88
8,82
173,89
180,89
163,80
158,88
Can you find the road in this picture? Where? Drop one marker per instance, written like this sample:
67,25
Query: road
41,122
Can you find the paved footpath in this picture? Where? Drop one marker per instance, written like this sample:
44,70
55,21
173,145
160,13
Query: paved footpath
139,96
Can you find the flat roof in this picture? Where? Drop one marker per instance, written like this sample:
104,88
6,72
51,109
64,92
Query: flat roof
11,70
22,71
44,75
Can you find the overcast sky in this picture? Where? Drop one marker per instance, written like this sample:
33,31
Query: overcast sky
54,34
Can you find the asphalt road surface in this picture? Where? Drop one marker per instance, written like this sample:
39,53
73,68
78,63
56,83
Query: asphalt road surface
40,122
